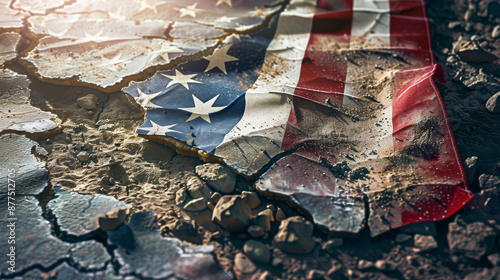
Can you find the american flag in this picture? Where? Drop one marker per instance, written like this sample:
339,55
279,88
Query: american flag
332,104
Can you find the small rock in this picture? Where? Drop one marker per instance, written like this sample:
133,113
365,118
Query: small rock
454,24
83,156
365,264
295,235
267,212
470,169
425,242
280,215
493,104
494,259
217,176
489,182
243,264
252,199
113,219
215,197
384,265
256,231
265,276
315,274
478,81
232,213
197,188
257,251
196,204
277,262
496,32
263,221
88,102
472,240
333,243
402,237
484,274
180,196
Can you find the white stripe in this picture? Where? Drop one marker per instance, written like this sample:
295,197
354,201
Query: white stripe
371,30
269,101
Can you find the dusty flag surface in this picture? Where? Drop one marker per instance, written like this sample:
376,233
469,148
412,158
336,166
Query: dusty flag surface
333,105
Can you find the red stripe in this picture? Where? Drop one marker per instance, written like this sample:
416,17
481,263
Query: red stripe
416,96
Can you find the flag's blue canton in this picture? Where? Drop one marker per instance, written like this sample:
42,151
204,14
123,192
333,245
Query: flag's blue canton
175,101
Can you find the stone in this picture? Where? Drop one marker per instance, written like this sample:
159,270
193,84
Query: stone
402,237
217,176
478,81
113,219
178,259
232,213
20,163
365,264
78,214
252,199
257,251
83,156
268,213
280,215
424,243
196,204
277,262
18,115
295,236
471,239
496,32
384,265
262,221
88,102
33,237
484,274
336,271
493,104
255,231
180,196
215,197
315,274
494,259
90,255
197,188
333,243
470,169
243,264
487,181
266,276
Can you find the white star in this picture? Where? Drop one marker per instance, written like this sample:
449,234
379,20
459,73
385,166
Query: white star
219,58
148,4
180,78
145,99
228,2
202,109
157,129
189,10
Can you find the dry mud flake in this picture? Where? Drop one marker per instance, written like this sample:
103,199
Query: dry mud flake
10,19
90,255
22,172
35,245
64,271
145,253
355,118
100,43
8,46
17,115
78,215
37,6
